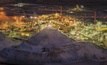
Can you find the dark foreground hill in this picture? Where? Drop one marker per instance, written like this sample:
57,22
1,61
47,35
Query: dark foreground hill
50,47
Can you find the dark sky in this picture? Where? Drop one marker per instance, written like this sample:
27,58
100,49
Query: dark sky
66,2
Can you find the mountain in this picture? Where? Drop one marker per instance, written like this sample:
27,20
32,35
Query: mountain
5,41
50,46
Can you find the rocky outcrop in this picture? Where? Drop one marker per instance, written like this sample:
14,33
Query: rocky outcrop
7,42
51,46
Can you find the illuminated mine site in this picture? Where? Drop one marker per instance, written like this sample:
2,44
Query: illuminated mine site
38,32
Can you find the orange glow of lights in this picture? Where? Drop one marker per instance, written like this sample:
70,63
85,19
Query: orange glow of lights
1,9
3,16
14,17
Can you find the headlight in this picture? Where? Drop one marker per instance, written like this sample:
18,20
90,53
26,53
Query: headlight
33,17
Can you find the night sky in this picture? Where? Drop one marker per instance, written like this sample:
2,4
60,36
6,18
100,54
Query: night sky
67,2
59,2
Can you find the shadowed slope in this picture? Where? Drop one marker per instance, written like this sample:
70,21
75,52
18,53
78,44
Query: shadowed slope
52,47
